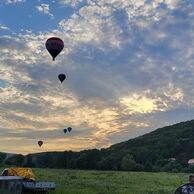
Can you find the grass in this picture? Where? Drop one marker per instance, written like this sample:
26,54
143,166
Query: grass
111,182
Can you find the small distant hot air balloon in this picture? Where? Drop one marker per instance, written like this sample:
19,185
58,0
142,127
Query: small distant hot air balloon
65,130
62,77
69,129
54,46
40,143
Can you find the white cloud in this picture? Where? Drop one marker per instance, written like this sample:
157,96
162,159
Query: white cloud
3,27
14,1
107,22
45,8
73,3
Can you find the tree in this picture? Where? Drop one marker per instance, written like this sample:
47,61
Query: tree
129,164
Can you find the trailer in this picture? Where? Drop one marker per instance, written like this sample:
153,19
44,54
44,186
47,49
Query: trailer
37,186
11,184
14,184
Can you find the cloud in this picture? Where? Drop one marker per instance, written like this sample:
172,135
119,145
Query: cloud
9,42
139,104
14,1
73,3
3,27
45,8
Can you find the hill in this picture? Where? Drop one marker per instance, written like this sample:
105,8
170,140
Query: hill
165,149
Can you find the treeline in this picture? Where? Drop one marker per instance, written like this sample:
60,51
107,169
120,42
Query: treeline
165,149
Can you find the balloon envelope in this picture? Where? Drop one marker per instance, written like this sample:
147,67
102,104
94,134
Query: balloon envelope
69,129
184,189
65,130
54,46
40,143
62,77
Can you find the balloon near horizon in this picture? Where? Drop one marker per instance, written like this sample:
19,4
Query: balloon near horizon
40,143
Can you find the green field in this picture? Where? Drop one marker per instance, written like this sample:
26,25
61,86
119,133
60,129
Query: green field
111,182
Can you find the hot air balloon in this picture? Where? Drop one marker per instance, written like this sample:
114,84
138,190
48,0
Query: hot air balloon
40,143
62,77
54,46
69,129
65,130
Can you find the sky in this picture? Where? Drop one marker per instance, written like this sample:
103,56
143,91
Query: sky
129,67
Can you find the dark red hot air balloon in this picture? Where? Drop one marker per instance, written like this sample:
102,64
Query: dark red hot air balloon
54,46
40,143
62,77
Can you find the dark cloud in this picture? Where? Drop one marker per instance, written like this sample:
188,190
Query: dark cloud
8,42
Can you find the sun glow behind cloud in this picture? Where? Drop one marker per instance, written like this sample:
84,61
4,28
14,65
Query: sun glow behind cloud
128,64
139,104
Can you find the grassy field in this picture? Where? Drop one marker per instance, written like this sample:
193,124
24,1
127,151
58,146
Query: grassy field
111,182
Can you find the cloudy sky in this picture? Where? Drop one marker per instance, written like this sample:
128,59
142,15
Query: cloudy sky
129,67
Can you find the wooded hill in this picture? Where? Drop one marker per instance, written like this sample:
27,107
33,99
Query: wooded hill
165,149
